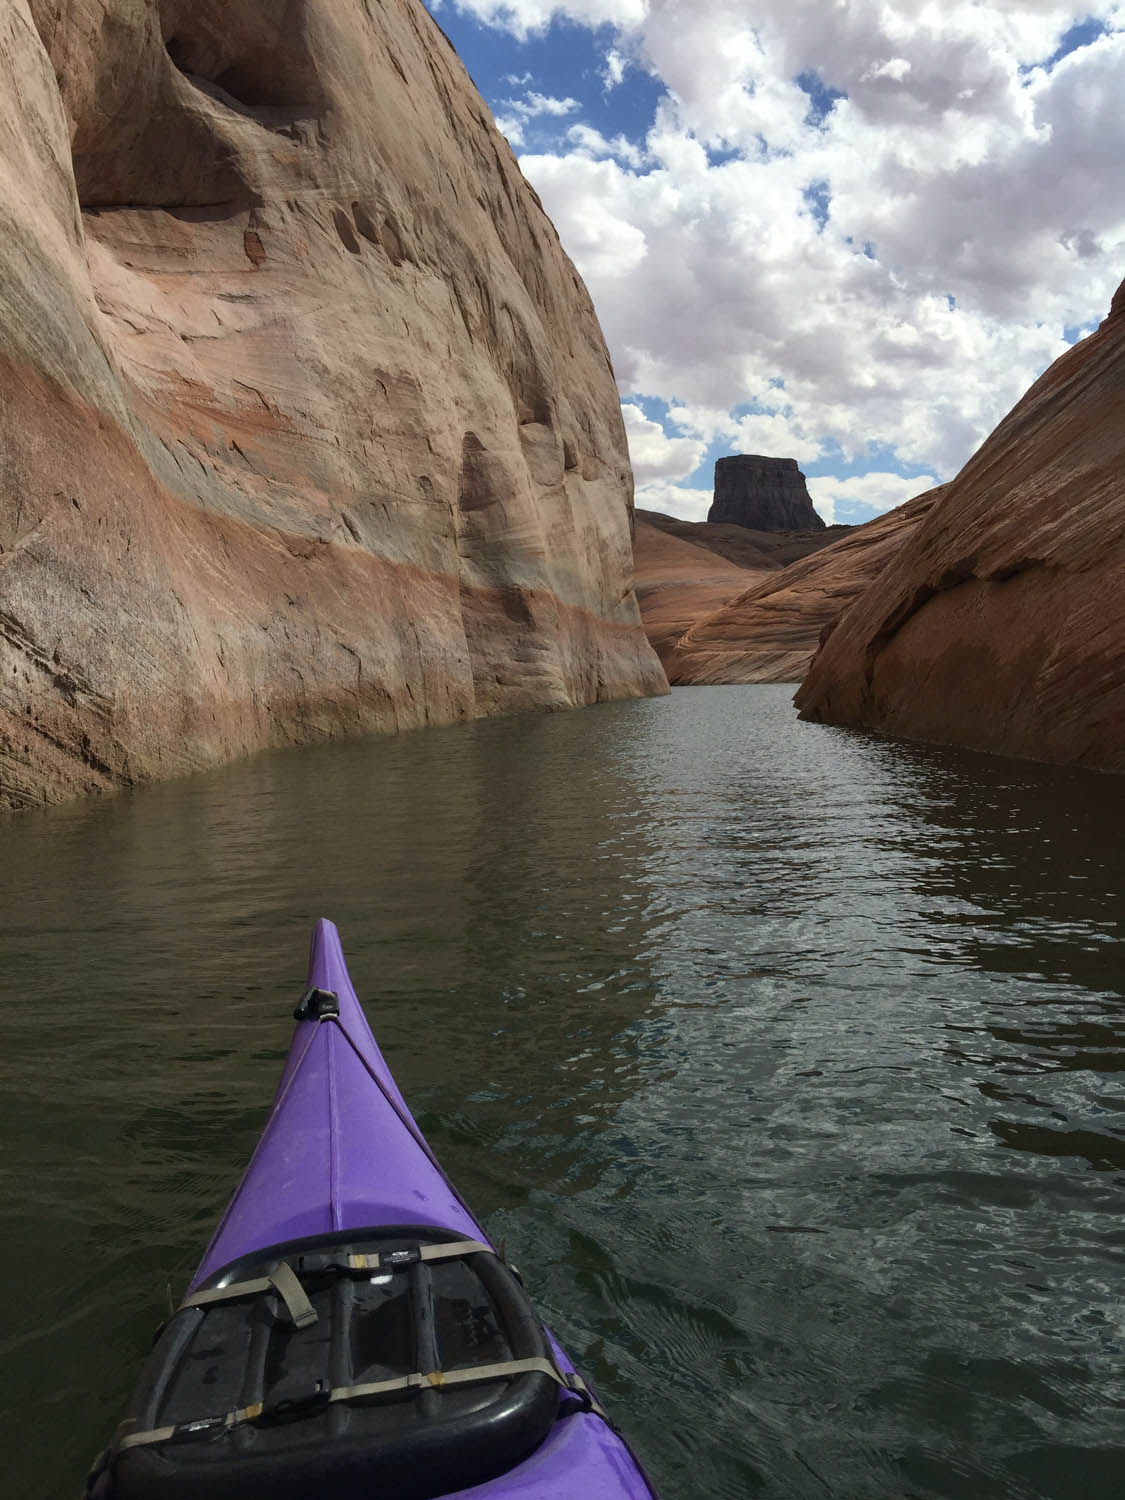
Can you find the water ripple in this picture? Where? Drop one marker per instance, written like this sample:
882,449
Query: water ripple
786,1060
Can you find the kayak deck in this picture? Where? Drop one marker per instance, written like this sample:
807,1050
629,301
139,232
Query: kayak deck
350,1329
340,1149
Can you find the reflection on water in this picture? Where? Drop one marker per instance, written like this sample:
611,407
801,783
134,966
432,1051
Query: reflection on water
786,1060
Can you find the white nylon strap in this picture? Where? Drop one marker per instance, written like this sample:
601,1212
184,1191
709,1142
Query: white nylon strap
434,1380
203,1426
386,1260
438,1379
282,1280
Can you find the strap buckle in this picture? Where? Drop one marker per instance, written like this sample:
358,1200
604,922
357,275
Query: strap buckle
383,1260
397,1260
202,1427
295,1407
578,1387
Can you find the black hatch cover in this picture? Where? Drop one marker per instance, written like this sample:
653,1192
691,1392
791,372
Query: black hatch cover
371,1326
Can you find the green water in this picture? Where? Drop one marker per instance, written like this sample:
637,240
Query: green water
787,1061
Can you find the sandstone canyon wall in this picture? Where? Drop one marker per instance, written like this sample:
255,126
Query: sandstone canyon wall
678,580
307,424
687,571
760,551
1001,624
769,632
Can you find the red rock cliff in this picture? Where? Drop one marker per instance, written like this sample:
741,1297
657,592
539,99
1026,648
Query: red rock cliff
769,632
308,426
1001,623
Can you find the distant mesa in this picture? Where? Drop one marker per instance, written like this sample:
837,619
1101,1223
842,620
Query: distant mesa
764,494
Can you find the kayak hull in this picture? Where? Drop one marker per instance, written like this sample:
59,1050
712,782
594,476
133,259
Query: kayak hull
340,1150
342,1159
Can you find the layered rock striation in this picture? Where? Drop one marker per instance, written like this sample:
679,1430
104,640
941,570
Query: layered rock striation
759,551
770,631
764,494
1001,624
689,570
678,581
308,425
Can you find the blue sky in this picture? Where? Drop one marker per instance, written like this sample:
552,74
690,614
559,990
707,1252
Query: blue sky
851,235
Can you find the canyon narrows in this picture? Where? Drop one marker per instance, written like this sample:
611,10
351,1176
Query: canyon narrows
308,424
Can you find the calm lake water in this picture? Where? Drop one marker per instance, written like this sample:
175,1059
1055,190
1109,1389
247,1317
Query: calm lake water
788,1061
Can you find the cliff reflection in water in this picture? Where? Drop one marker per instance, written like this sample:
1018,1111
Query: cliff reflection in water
786,1060
1024,872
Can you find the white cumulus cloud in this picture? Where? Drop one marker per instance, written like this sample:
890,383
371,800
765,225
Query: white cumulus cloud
674,500
875,492
855,230
587,139
653,453
613,70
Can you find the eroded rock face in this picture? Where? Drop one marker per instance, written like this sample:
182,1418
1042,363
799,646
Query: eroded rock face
769,632
308,425
678,581
687,571
760,551
765,494
1001,623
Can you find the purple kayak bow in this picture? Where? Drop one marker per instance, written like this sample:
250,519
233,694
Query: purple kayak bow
340,1151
